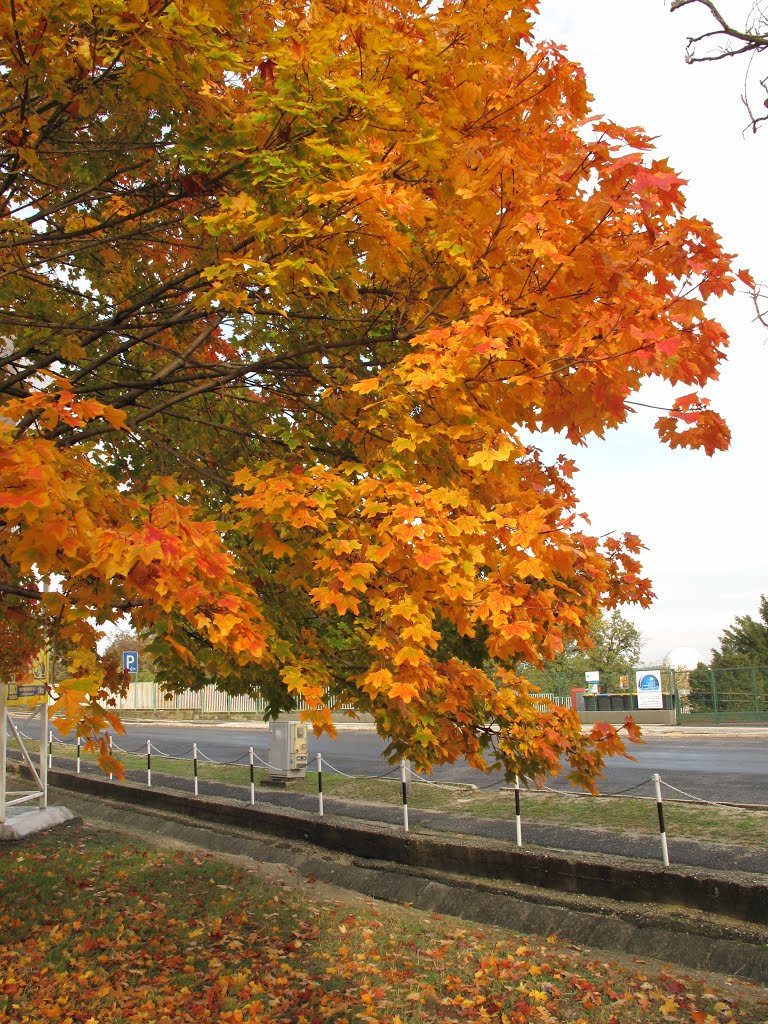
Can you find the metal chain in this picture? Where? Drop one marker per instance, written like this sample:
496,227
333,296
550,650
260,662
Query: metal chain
172,757
266,763
629,789
338,771
696,799
122,750
417,778
491,785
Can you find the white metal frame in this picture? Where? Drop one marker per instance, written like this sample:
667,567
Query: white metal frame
9,798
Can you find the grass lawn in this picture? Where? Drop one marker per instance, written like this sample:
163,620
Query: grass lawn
625,814
100,929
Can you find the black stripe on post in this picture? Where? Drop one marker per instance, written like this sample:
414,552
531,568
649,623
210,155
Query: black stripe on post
662,828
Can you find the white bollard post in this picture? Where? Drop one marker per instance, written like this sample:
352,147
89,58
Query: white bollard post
149,763
253,786
518,819
109,738
320,784
194,760
78,755
405,794
50,748
662,829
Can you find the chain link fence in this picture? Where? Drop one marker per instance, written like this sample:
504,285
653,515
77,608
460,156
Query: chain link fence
700,695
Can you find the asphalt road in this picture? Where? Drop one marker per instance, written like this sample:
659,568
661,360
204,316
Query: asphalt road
724,769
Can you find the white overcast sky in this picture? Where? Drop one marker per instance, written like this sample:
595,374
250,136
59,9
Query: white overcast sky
703,520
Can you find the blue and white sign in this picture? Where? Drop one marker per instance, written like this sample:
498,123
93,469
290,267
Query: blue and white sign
649,689
131,662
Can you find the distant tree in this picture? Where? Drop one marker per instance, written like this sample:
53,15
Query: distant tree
746,639
126,640
614,651
727,40
738,669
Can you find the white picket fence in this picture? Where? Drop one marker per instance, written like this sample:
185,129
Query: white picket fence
148,696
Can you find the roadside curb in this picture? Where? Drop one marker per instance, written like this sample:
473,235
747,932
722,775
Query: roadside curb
649,732
735,895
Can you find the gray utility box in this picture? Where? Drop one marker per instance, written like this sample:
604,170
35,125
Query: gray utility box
288,750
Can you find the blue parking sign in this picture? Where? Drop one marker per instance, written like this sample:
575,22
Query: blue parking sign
131,662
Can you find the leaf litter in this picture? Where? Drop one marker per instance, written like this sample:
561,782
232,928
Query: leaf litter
97,929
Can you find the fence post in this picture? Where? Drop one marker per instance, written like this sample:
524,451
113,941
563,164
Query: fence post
754,689
50,748
250,761
518,819
675,696
149,763
662,829
404,784
109,740
320,784
194,764
714,690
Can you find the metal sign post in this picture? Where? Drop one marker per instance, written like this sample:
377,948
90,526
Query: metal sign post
3,747
32,696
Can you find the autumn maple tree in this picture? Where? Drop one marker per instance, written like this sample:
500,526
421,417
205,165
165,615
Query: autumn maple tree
286,290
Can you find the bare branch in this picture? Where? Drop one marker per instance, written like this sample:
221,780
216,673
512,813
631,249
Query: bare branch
731,41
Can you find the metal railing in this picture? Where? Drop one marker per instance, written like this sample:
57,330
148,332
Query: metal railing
400,774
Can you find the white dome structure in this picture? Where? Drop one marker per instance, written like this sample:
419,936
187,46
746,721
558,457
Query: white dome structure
684,657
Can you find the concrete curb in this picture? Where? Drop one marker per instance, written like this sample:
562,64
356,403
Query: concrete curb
26,821
734,895
650,732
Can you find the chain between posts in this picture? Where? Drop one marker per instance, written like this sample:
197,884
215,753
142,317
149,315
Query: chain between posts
403,768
